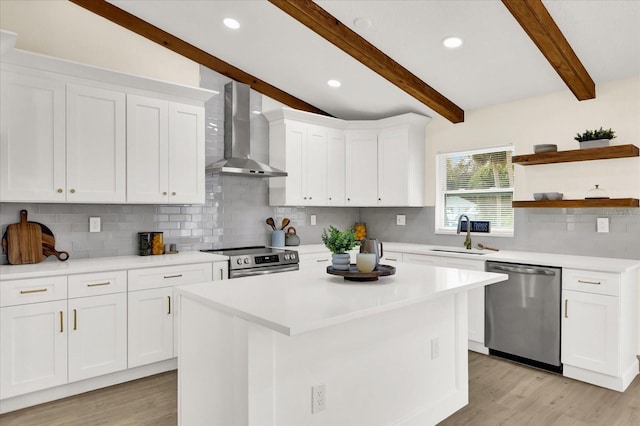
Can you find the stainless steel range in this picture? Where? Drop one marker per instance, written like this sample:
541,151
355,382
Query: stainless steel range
247,261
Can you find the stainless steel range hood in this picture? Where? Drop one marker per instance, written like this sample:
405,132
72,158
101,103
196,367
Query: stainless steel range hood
237,142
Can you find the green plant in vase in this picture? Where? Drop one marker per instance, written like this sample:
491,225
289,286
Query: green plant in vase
339,243
595,138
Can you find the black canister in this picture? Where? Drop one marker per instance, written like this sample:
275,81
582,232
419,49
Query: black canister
144,243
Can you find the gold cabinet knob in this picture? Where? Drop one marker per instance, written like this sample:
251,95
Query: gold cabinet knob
73,191
164,193
173,193
59,190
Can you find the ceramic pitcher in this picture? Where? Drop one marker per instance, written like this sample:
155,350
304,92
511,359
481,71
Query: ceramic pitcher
369,245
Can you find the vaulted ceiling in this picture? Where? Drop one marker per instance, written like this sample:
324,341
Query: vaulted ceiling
388,54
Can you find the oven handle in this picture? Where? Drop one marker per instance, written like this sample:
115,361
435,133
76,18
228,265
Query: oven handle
256,271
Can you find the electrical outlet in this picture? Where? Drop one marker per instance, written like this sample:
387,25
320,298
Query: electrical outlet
602,224
435,348
313,220
318,398
94,224
401,220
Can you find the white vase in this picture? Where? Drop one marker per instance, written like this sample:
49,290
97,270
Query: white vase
366,262
596,143
340,261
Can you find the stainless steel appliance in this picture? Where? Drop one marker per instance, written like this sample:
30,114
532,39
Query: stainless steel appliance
247,261
522,314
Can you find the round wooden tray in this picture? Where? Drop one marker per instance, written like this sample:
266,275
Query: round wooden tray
354,275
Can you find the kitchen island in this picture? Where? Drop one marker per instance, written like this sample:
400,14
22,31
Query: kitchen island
306,347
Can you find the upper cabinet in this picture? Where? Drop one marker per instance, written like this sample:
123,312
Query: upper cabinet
80,134
165,151
349,163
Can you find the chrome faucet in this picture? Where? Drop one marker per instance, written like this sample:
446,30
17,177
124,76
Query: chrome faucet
467,241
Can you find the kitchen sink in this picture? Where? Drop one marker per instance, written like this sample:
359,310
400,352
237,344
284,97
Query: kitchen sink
460,251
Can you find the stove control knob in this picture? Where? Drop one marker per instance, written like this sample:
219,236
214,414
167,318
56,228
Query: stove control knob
293,256
246,260
239,261
286,257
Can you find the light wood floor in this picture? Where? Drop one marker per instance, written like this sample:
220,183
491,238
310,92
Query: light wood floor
501,393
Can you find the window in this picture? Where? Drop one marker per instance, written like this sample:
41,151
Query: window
477,183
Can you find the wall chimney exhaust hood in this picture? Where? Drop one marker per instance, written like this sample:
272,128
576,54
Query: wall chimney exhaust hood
237,142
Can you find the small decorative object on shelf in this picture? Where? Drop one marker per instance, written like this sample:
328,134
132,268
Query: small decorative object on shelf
361,231
339,243
595,138
596,193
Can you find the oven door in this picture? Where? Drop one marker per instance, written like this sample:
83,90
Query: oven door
264,270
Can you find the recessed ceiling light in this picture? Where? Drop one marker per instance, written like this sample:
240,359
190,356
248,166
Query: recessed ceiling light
362,23
334,83
231,23
452,42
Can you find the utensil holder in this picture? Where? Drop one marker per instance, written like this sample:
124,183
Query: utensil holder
277,238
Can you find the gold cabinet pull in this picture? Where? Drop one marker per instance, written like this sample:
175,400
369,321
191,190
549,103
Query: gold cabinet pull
73,191
566,308
173,276
391,259
37,290
221,274
61,323
169,304
59,190
75,319
589,282
98,284
322,260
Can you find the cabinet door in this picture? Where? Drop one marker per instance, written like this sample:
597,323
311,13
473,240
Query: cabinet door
97,335
32,138
33,347
150,326
186,154
315,167
336,168
295,158
220,271
361,168
590,332
147,150
393,165
96,145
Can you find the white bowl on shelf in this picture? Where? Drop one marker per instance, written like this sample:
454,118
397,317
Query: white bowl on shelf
545,148
553,196
539,196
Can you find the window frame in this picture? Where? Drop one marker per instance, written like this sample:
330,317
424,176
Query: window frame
441,171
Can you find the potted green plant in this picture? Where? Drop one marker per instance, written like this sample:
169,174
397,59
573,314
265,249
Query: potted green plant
339,243
595,138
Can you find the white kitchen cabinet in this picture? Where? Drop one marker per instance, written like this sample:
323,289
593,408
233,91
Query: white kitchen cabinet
97,335
32,138
590,331
220,271
336,167
361,183
301,150
96,145
391,257
165,151
33,347
152,311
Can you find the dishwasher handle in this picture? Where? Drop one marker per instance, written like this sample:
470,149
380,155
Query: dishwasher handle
527,270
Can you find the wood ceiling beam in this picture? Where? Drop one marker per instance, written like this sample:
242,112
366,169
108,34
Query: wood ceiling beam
536,21
331,29
181,47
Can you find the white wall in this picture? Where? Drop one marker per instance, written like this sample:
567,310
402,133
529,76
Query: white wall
555,119
62,29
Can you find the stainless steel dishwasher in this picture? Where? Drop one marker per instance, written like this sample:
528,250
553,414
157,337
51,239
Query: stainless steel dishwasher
522,314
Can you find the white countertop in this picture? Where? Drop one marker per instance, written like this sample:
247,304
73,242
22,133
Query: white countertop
309,299
79,266
602,264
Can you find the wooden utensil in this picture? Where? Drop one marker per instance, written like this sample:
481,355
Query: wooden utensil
483,247
23,242
285,222
271,223
49,244
45,242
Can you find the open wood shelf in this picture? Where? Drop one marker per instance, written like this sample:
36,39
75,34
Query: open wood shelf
607,152
562,204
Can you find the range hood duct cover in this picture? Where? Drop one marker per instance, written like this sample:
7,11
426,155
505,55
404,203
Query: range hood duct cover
237,142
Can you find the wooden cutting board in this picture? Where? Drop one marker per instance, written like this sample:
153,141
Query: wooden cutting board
24,242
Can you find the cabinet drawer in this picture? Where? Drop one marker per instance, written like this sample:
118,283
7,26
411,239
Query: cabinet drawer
98,283
316,258
20,292
591,282
420,259
167,276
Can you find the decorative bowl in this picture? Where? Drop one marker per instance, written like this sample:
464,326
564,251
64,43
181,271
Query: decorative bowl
553,195
539,196
545,148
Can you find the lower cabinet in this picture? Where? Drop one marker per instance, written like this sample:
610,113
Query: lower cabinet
33,345
97,330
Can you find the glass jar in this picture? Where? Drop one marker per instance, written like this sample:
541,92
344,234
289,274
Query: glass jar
144,243
157,243
360,229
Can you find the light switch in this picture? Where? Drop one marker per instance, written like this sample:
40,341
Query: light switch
401,220
603,224
94,224
312,218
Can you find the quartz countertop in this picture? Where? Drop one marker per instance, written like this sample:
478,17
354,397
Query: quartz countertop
54,267
602,264
309,299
